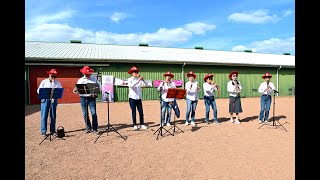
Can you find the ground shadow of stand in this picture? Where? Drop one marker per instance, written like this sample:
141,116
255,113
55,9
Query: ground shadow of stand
50,94
109,127
159,130
273,118
176,93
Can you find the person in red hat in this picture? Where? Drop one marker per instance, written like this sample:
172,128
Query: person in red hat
209,87
192,89
234,88
135,98
88,100
46,104
166,103
265,89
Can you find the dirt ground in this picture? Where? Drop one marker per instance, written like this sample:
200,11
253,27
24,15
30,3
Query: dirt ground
228,151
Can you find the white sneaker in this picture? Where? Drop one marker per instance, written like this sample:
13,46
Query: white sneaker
231,120
168,124
143,127
260,121
187,123
135,127
193,124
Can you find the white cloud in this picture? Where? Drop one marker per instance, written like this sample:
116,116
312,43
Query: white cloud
52,18
255,17
162,37
288,13
199,28
118,16
272,45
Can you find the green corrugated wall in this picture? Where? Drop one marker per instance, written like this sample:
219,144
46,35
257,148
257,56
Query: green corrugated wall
26,85
250,78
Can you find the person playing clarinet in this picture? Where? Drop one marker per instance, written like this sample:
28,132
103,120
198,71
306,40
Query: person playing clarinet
135,98
265,89
209,87
192,88
166,103
234,88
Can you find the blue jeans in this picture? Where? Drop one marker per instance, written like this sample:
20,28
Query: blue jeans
265,102
136,104
165,106
191,107
210,101
45,105
85,103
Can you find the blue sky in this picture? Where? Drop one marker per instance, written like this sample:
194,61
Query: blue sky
231,25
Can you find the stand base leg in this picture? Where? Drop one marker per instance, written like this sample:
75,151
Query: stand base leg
160,131
274,124
46,137
110,128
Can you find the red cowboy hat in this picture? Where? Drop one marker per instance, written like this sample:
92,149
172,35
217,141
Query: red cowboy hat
192,74
133,69
266,75
207,76
233,72
168,74
86,70
53,71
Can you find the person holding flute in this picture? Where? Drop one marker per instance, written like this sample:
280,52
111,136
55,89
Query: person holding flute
135,82
209,87
265,89
234,88
192,88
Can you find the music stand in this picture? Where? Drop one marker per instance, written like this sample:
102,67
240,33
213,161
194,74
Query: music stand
176,93
109,126
51,94
159,130
273,121
84,89
94,89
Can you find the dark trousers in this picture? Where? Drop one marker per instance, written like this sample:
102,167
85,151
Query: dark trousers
133,105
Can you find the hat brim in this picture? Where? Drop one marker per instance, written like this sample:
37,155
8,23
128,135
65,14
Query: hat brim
266,77
206,77
171,75
48,72
194,76
132,71
84,72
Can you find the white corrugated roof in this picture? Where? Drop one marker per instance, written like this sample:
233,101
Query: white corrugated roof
119,53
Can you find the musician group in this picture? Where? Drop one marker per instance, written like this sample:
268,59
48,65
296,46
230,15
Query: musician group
136,82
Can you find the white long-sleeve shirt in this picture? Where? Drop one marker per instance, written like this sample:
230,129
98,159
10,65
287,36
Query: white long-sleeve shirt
47,84
164,91
134,85
208,90
263,86
84,80
192,91
232,88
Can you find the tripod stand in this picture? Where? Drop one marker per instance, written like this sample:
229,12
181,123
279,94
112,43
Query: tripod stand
176,93
273,120
50,94
159,130
109,126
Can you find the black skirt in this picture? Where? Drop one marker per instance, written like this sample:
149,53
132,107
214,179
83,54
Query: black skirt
235,104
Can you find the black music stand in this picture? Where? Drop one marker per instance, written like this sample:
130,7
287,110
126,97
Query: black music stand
159,130
51,94
273,120
109,126
84,89
94,89
176,93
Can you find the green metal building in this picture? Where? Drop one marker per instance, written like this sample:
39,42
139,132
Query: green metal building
153,62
